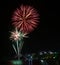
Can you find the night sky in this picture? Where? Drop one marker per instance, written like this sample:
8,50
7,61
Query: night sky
45,37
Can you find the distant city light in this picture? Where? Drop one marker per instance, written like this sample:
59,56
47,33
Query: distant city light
42,61
51,52
41,53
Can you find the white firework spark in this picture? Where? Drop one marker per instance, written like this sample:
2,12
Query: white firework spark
17,35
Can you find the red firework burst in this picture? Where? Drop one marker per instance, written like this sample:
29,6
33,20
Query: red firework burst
25,18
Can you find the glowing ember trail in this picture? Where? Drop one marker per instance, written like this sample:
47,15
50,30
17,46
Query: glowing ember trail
25,19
